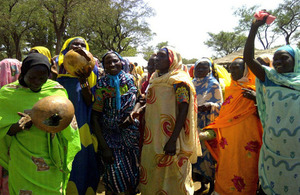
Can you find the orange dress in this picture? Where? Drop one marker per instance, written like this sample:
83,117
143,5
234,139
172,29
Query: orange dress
238,141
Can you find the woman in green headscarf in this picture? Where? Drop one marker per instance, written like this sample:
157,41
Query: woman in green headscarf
278,100
38,162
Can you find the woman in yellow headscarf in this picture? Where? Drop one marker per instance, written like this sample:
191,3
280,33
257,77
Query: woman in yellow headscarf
84,176
238,135
171,141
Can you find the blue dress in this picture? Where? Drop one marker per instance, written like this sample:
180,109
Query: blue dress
123,174
85,174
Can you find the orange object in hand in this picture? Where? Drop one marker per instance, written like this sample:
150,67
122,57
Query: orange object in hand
261,14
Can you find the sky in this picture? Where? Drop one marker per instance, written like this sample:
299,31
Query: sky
185,23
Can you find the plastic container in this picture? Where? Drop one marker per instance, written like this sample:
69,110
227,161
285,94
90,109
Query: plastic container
261,14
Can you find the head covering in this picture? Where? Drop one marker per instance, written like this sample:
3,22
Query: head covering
9,71
174,59
43,50
291,79
33,59
66,48
111,52
203,60
248,77
114,79
287,48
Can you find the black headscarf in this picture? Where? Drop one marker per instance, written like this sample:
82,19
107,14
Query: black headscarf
33,59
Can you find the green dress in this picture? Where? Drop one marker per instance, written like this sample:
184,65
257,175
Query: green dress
38,162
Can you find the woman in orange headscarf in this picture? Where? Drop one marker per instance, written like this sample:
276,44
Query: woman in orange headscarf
238,135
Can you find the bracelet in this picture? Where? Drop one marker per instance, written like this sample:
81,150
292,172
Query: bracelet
84,85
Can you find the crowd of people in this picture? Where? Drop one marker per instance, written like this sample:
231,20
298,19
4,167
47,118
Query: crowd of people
235,131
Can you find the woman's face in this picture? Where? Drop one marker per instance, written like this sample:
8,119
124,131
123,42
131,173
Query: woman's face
112,64
202,69
162,62
151,66
36,77
78,44
283,62
237,69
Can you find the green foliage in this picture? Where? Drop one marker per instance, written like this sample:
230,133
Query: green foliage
189,61
264,35
225,43
106,24
118,25
288,20
15,22
149,50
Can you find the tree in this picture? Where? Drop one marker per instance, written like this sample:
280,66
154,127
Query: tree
59,14
149,50
16,20
288,17
264,35
225,43
119,25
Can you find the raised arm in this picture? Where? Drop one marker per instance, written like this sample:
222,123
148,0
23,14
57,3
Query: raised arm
249,58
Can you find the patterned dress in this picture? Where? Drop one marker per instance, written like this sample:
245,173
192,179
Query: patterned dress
123,174
161,173
238,140
278,100
208,91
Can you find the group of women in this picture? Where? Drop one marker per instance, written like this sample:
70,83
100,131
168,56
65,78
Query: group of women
232,132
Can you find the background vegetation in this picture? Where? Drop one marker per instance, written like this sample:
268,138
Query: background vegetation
120,25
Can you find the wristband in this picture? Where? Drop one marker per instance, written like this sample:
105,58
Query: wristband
84,85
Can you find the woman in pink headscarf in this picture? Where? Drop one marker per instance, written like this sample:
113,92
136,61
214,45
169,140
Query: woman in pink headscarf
9,72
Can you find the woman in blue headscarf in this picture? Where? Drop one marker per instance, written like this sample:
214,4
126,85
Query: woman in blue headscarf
85,175
278,100
209,100
117,136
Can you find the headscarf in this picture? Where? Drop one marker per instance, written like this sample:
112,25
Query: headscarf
174,59
287,48
291,79
248,77
92,79
204,86
236,107
114,79
203,60
66,47
43,50
9,71
33,59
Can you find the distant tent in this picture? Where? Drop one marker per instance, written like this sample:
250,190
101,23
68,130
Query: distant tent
138,59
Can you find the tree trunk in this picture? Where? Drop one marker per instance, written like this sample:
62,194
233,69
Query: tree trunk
17,46
58,43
